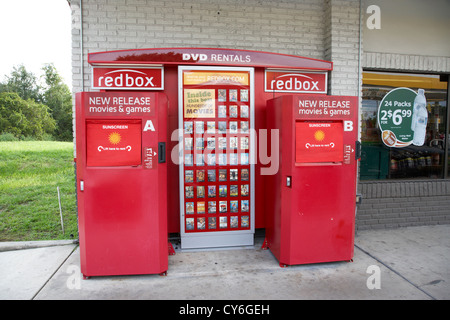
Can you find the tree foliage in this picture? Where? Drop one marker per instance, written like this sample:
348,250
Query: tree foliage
31,109
24,83
58,98
24,118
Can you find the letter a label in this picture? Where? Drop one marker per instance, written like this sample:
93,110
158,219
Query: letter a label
149,126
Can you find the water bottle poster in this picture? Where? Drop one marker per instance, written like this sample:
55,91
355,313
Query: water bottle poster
402,118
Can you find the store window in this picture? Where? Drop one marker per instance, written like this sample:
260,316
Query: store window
388,151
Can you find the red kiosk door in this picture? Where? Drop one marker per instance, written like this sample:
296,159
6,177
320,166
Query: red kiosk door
310,201
122,181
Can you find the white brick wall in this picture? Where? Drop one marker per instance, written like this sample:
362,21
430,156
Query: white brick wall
284,26
342,45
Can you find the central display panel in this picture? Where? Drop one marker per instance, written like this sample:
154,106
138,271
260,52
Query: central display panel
216,145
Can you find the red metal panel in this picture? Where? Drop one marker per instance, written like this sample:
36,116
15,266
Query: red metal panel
122,207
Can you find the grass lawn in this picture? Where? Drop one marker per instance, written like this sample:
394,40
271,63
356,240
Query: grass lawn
30,171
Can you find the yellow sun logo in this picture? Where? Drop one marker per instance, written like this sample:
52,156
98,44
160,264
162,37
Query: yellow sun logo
319,135
114,138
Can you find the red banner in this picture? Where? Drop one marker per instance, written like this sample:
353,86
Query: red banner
113,142
206,56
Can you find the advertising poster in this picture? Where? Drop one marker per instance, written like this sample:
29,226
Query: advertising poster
319,142
113,142
199,103
403,117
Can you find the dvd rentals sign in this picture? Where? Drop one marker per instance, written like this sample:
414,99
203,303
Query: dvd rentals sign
295,81
128,79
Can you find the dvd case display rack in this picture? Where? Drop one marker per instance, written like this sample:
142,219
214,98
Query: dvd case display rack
215,146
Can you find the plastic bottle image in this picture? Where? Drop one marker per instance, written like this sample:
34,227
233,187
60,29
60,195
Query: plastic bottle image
419,119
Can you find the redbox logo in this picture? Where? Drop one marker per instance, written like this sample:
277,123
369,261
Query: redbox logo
288,81
133,79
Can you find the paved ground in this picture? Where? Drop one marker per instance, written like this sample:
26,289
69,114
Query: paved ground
407,263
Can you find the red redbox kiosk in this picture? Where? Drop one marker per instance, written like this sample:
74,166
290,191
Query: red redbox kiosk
310,201
122,182
217,109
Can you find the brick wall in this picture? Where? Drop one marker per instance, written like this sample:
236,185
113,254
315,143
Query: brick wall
403,203
284,26
342,45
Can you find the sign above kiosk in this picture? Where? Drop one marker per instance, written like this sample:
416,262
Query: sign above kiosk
207,56
126,78
295,81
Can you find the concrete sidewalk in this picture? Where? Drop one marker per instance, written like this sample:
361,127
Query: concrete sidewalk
412,263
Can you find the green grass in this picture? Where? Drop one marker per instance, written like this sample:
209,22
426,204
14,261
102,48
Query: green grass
30,171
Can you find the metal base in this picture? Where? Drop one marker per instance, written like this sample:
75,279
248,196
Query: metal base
216,240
